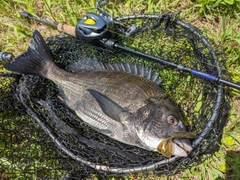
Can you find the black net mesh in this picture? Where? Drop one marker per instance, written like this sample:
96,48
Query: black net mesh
42,138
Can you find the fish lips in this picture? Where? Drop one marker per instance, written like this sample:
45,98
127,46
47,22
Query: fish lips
180,147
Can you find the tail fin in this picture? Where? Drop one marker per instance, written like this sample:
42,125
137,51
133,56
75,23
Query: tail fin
35,61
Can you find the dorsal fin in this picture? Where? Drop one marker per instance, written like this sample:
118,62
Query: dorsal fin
140,70
92,63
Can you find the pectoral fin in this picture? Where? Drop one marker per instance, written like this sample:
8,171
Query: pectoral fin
109,107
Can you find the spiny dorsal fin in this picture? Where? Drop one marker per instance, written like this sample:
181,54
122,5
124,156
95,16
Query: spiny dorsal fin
140,70
92,63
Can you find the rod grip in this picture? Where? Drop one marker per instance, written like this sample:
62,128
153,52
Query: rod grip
71,30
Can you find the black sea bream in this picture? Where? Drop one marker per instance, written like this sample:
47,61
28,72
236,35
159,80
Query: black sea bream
123,101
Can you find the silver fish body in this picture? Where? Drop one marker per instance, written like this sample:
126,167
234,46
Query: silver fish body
122,101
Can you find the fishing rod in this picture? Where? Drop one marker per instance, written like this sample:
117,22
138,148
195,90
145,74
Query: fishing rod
95,27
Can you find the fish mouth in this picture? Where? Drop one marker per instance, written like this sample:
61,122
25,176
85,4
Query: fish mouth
181,147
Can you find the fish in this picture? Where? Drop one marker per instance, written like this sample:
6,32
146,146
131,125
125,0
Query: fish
123,101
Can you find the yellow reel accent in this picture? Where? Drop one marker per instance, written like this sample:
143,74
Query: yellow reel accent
90,21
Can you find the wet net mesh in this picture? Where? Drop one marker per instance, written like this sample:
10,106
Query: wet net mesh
40,137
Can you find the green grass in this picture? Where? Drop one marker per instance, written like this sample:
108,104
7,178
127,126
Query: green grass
219,18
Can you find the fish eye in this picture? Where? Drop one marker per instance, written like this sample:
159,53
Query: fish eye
172,120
